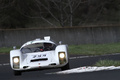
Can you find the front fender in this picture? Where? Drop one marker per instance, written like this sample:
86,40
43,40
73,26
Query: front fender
14,53
62,48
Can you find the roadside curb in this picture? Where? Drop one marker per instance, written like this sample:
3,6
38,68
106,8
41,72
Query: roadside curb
87,69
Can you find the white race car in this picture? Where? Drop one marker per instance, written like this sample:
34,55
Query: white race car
39,54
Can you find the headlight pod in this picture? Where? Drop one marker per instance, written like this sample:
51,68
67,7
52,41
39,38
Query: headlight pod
16,62
62,57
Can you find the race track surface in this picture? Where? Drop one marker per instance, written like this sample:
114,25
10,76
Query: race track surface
6,72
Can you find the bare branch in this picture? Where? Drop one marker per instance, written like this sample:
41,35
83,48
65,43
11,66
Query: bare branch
38,1
48,21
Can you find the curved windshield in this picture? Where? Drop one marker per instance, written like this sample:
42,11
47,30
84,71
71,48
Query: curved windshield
38,47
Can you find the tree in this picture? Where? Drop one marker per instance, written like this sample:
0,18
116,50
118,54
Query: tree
17,13
60,10
12,13
101,10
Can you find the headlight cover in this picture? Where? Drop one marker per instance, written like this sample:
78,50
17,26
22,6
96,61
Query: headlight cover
62,57
16,62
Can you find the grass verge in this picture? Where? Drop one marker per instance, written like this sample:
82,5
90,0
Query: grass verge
5,50
107,63
94,49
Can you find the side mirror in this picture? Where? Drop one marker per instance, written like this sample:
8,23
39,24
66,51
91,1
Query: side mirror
60,42
14,47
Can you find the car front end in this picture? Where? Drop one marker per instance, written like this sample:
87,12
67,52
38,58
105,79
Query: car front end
39,54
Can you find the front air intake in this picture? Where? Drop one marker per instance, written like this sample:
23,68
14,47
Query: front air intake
42,59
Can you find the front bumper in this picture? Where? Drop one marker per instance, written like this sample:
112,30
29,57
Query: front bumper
39,67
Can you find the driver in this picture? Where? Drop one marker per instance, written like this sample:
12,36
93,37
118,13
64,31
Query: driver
47,46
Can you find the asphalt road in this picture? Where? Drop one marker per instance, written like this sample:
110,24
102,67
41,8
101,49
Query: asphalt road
7,74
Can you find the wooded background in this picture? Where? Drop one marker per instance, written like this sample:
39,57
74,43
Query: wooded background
57,13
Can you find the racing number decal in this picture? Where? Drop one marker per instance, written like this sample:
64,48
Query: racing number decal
38,56
44,55
34,56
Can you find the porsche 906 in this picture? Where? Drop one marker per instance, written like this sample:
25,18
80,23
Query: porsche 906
39,54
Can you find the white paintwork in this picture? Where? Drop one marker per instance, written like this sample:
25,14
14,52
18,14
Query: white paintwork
51,55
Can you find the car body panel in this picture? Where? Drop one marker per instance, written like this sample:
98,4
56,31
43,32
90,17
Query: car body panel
29,59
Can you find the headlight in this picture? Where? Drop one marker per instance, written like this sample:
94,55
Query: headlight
16,62
62,57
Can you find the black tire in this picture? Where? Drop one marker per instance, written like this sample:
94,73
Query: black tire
66,67
17,73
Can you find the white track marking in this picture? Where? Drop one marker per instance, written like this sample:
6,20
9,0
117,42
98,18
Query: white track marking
5,64
93,56
80,57
86,69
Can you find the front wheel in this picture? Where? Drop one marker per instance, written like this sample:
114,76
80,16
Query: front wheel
66,67
17,73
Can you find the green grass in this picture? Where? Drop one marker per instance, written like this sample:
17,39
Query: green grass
4,50
94,49
107,63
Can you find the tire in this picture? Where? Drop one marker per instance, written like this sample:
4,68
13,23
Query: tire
66,67
17,73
